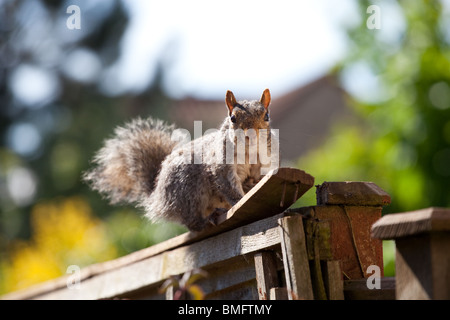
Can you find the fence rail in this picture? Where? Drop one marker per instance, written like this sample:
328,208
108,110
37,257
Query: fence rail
260,249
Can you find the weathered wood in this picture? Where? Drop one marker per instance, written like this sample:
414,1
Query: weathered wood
350,238
227,276
276,191
351,193
295,258
314,266
244,291
422,240
266,273
261,235
318,241
317,280
260,202
358,290
226,252
278,293
332,277
393,226
318,235
413,268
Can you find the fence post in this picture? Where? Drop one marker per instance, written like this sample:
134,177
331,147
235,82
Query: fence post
422,240
295,258
351,208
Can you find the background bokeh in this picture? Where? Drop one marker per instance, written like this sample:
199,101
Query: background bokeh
62,91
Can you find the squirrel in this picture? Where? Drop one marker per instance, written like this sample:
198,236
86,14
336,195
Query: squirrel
144,164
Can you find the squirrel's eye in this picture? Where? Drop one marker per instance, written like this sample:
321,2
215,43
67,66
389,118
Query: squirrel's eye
266,117
233,118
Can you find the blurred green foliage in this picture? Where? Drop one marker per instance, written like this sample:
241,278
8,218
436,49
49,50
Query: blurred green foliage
401,140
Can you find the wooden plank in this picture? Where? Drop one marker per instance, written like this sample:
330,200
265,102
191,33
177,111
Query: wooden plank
222,279
266,273
318,239
313,243
244,291
151,271
440,259
413,268
278,294
317,232
358,290
226,276
397,225
276,191
422,266
262,201
422,240
317,280
332,277
351,193
295,258
350,237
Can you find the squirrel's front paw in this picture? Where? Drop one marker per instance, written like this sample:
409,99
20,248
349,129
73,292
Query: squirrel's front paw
249,184
213,217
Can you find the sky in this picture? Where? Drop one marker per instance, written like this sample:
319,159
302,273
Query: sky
245,46
207,47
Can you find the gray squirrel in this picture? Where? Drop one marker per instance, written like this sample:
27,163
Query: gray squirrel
189,183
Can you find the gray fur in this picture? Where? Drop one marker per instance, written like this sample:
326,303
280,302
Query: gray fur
128,164
141,164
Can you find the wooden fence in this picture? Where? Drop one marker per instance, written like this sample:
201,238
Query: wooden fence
260,249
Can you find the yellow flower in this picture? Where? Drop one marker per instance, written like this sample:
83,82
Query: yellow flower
64,232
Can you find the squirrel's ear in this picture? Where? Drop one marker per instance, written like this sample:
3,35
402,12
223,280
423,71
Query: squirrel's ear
230,100
265,98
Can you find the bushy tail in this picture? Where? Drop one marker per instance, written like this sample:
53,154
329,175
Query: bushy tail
128,164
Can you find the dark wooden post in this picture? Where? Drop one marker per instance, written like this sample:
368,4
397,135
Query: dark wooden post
422,240
295,258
